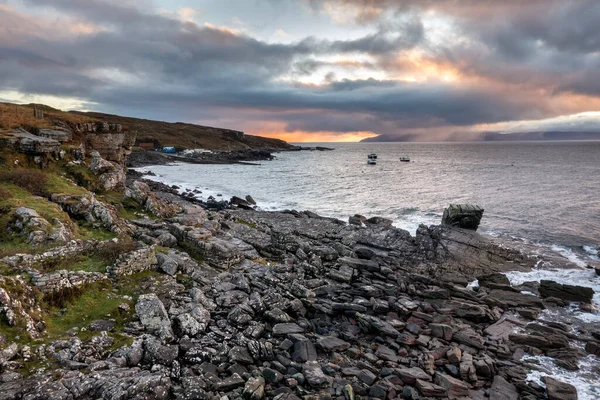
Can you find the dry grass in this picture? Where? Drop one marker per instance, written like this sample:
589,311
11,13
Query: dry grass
15,116
187,135
34,181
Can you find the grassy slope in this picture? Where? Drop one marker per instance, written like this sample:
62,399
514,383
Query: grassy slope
15,116
188,135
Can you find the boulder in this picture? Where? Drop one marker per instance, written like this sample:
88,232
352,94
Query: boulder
154,317
111,175
558,390
464,216
37,231
566,292
512,299
503,390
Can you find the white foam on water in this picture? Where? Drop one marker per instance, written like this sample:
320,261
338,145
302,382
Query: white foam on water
473,285
569,255
585,380
591,250
411,222
577,277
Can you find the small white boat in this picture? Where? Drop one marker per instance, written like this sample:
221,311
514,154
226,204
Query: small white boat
372,159
405,159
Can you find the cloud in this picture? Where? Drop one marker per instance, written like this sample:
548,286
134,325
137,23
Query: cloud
442,64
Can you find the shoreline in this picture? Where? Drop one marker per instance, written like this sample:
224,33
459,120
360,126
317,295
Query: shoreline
231,301
143,158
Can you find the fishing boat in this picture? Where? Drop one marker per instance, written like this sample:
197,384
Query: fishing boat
405,159
372,159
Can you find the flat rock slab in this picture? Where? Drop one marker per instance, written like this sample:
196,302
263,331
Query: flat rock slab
102,325
503,390
513,299
332,343
566,292
429,389
286,329
558,390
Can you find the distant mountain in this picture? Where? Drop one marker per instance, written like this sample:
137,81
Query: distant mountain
485,137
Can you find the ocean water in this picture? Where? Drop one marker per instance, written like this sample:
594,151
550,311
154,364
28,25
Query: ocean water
547,193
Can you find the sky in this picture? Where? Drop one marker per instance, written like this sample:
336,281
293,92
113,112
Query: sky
311,70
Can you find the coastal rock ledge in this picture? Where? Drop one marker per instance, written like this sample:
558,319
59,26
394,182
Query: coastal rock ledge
286,305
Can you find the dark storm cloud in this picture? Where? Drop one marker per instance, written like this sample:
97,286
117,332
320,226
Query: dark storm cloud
135,60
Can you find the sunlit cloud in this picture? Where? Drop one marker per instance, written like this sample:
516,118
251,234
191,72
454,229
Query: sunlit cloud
312,70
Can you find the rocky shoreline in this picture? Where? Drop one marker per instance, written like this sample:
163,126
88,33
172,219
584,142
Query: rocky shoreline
232,302
144,158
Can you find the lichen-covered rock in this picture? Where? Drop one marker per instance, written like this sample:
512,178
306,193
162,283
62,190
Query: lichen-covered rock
111,175
90,209
154,317
37,231
141,193
58,281
133,262
18,305
24,142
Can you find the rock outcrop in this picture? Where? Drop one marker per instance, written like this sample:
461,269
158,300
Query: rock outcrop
464,216
110,174
37,231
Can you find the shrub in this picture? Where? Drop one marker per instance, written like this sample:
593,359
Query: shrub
35,182
109,252
4,195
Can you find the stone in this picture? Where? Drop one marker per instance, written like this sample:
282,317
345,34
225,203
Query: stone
543,342
332,343
465,216
453,386
314,374
387,354
493,278
304,350
441,331
157,353
454,355
558,390
367,377
512,299
566,292
286,329
254,388
503,390
411,375
102,325
429,389
227,384
154,317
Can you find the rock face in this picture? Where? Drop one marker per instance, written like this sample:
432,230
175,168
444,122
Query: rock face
133,262
110,174
112,145
566,292
28,143
141,193
90,209
57,133
464,216
558,390
37,231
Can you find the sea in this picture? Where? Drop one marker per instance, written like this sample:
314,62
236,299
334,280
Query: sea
544,194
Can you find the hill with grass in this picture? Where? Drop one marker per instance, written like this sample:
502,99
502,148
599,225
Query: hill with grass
186,135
